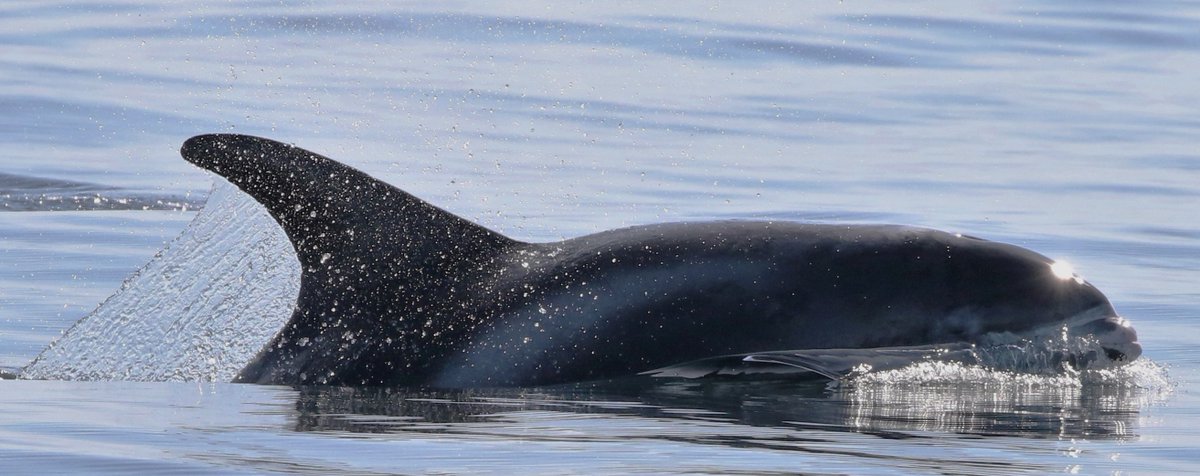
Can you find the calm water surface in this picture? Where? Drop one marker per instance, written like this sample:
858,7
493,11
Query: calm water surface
1067,127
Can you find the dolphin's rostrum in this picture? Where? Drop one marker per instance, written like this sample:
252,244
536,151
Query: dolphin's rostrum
395,291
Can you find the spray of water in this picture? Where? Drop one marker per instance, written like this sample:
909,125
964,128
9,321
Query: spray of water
198,311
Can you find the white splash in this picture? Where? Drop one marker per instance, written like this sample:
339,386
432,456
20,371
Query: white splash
198,311
1142,373
957,397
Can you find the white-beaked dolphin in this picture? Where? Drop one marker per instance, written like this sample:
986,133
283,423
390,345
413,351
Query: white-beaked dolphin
395,291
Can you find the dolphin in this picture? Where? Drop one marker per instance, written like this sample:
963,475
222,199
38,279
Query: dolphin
395,291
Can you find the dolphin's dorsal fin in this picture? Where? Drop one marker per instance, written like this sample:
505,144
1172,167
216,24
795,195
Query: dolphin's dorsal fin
373,256
324,205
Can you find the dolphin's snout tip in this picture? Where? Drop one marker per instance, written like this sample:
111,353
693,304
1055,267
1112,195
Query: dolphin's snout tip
1125,353
1118,338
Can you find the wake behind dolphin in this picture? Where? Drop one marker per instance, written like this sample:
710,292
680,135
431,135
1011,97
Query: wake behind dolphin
395,291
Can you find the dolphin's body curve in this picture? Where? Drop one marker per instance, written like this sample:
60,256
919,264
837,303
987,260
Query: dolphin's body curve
395,291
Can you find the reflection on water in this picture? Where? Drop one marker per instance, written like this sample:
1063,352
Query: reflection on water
717,411
1101,404
639,425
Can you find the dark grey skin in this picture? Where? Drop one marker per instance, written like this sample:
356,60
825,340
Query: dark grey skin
395,291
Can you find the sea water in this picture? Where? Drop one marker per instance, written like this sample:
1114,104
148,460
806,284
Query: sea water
1067,128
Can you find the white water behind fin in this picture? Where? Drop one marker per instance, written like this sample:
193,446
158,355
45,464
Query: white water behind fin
198,311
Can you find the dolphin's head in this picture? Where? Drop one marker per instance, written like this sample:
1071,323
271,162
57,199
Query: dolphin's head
904,286
1034,297
1099,324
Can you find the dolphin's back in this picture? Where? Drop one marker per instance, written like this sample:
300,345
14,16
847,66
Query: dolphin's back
624,301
